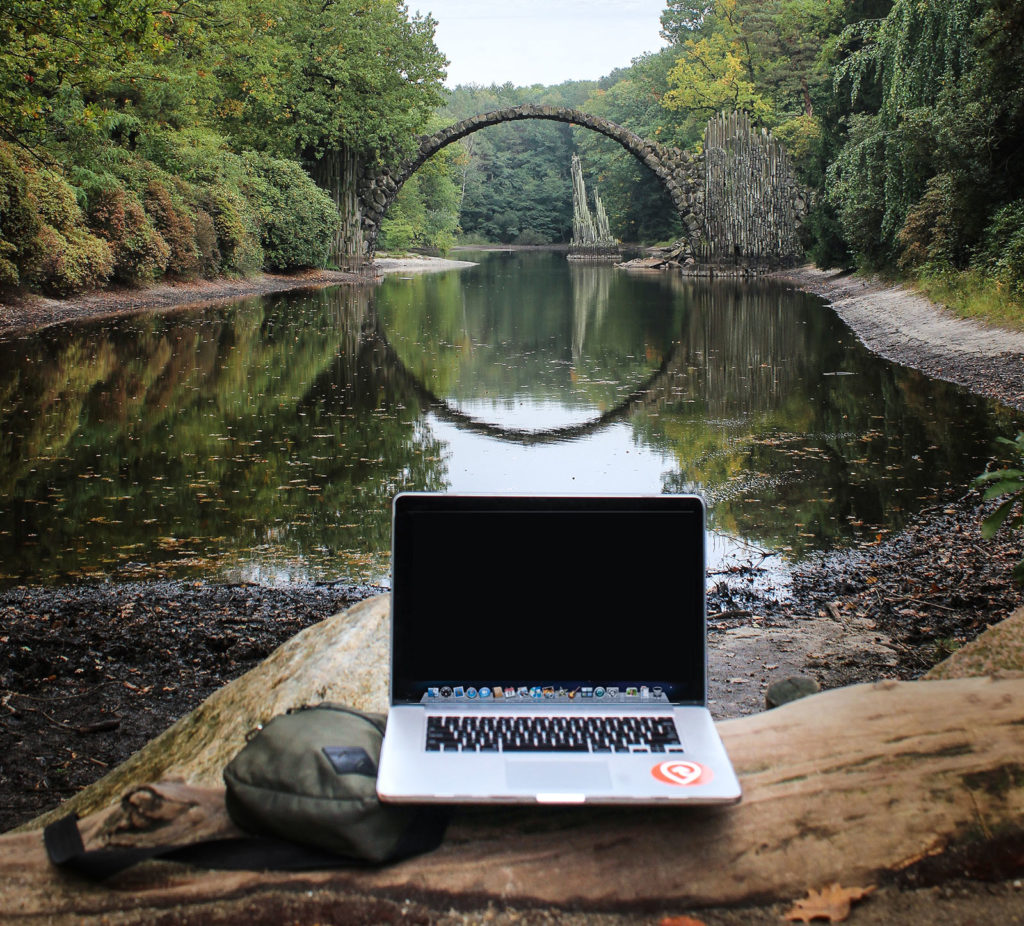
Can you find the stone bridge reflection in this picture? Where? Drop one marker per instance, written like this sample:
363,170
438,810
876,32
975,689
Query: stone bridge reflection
659,386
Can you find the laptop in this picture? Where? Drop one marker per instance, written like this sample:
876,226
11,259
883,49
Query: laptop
551,650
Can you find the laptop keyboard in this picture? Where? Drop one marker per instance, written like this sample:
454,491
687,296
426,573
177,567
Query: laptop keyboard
516,733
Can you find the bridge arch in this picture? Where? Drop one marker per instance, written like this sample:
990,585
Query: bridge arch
680,173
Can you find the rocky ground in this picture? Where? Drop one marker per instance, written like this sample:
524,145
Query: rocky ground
88,674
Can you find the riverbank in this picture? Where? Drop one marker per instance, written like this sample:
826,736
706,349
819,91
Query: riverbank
23,312
903,326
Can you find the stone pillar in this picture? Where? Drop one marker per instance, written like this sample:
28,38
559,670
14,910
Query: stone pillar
338,172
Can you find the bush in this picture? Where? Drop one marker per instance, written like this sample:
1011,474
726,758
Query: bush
1002,252
298,220
63,257
19,223
237,230
530,236
176,228
206,244
69,262
932,234
139,251
1006,484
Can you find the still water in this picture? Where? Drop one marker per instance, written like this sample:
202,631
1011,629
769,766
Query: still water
263,440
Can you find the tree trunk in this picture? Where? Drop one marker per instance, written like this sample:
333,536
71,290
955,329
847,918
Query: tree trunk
899,779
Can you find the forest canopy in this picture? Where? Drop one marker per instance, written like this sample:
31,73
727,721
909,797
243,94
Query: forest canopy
140,140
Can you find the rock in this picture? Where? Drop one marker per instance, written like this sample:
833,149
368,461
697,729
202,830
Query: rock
998,652
790,689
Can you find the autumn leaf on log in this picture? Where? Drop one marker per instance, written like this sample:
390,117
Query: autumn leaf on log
681,921
832,903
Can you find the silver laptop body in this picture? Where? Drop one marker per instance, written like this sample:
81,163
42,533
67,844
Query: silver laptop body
550,649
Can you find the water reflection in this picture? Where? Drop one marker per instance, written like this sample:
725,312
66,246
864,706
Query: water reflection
264,440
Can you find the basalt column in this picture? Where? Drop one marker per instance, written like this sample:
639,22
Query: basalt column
337,172
752,203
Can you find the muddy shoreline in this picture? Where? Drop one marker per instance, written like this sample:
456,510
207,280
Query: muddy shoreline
89,673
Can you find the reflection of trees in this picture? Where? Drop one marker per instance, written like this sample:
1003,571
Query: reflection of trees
508,330
791,453
266,423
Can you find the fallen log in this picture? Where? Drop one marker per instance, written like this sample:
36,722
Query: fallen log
910,780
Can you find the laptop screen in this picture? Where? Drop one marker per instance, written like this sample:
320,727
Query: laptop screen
561,598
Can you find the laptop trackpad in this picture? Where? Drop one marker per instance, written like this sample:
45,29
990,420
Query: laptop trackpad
554,776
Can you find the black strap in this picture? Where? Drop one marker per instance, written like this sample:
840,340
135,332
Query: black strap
65,848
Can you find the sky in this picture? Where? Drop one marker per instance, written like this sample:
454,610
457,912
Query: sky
540,41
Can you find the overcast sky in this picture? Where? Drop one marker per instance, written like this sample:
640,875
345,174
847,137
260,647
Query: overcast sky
541,41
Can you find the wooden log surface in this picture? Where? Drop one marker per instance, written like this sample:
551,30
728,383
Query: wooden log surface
851,785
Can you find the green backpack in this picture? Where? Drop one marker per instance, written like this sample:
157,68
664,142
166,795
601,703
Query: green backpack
305,785
309,776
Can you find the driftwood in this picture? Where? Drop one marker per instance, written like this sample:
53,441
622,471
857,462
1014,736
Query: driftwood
858,785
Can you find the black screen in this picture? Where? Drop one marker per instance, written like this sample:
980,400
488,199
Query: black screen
511,591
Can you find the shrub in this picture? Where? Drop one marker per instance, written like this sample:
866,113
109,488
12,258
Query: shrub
139,251
397,235
930,235
1005,482
237,230
19,223
530,236
69,262
298,220
176,228
1003,249
206,243
63,257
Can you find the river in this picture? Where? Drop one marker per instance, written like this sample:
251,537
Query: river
264,439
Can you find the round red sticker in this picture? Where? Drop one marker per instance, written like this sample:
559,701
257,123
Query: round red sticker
681,772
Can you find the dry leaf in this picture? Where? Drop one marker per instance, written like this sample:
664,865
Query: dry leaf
832,903
681,921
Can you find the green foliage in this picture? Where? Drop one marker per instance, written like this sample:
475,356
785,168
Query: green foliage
1002,249
297,218
139,252
173,223
639,208
19,223
1005,482
63,257
56,56
318,75
147,109
237,230
928,132
513,179
425,213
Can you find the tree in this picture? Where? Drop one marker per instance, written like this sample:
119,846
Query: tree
56,59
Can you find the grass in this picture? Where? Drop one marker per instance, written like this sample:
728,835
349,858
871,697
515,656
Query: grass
972,294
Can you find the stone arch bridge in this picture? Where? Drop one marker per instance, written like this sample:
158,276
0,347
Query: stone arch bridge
771,206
